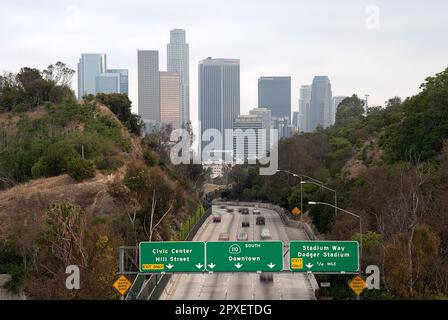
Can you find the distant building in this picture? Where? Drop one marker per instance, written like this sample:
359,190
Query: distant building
170,107
335,102
320,106
108,83
148,86
284,128
249,141
124,79
94,77
90,66
296,120
265,114
178,62
219,96
305,108
217,168
274,93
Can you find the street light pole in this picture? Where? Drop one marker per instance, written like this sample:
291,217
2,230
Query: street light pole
352,214
325,187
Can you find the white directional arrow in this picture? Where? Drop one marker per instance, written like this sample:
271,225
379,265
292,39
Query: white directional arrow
211,265
169,266
199,266
309,265
271,265
238,265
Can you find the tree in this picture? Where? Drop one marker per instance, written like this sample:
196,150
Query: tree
350,110
424,125
121,106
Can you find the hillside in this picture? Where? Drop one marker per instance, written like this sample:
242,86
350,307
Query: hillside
76,181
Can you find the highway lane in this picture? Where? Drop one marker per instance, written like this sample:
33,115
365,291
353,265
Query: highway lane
241,286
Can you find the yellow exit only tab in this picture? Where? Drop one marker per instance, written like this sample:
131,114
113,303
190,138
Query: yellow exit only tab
296,263
153,266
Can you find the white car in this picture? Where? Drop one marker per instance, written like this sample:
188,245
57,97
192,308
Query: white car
265,234
243,236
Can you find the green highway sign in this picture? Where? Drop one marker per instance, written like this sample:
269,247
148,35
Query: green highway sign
324,256
225,256
171,256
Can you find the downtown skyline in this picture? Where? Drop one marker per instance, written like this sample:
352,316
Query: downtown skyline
362,61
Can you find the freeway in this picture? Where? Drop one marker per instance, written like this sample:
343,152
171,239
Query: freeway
242,286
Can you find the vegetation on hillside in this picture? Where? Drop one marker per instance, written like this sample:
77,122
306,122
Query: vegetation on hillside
45,132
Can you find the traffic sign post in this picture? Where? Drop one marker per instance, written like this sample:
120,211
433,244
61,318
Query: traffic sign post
266,256
324,256
357,284
122,285
171,257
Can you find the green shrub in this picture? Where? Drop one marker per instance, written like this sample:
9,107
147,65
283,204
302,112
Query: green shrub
81,169
150,158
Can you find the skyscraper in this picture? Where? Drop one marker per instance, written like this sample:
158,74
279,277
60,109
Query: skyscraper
219,94
90,66
108,83
248,138
304,108
320,113
148,85
124,79
265,114
335,102
170,108
178,61
274,93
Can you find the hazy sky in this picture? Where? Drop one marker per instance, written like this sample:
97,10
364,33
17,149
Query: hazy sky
383,47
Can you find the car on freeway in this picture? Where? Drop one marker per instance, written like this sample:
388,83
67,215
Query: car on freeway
244,211
265,234
266,277
261,221
230,210
240,210
222,206
242,236
245,224
224,236
256,211
216,219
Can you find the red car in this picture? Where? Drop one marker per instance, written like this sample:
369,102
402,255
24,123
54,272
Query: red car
216,219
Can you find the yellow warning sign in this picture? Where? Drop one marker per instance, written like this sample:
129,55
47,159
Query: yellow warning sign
296,263
296,211
152,266
357,284
122,285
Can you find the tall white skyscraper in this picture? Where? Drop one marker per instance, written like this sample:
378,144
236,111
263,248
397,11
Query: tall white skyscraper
304,108
265,114
178,62
219,95
148,85
248,138
90,66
